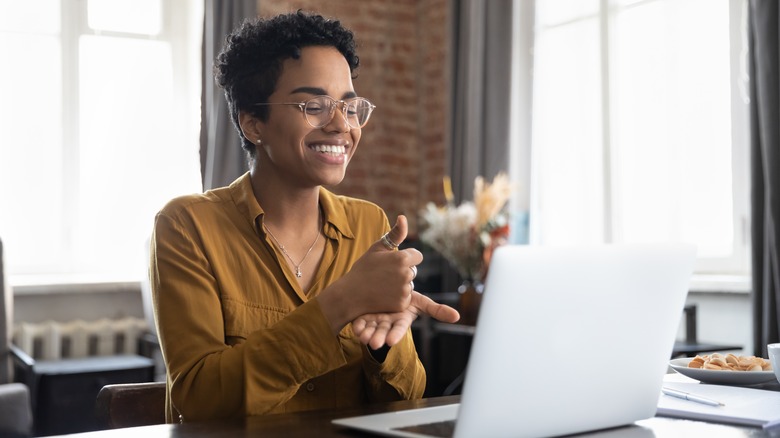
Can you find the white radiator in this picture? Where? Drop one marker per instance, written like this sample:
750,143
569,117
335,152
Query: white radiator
52,340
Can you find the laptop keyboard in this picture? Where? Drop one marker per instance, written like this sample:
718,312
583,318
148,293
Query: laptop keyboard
444,429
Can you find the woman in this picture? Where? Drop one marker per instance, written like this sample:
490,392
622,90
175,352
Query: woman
274,294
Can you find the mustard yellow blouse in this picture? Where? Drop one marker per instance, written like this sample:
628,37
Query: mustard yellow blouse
238,335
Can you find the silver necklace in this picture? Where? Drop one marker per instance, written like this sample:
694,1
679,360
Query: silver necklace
298,272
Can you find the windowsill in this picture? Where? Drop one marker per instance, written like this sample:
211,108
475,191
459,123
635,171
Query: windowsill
49,284
41,285
719,283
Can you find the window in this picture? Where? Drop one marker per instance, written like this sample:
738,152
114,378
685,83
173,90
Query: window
640,130
99,124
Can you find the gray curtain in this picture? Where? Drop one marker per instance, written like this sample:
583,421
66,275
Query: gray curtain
765,171
482,52
482,55
221,157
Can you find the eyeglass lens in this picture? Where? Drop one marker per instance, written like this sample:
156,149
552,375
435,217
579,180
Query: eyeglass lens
320,111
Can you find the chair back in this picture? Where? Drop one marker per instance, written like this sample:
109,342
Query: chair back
16,418
131,404
146,292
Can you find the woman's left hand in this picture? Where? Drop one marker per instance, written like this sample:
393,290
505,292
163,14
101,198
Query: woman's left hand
378,329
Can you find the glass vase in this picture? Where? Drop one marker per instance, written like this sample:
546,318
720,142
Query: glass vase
469,300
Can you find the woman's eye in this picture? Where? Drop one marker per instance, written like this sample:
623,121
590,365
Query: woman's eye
314,109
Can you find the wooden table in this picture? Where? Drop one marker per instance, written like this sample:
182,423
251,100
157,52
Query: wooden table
318,424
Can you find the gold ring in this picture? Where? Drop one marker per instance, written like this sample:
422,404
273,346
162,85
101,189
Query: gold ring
389,244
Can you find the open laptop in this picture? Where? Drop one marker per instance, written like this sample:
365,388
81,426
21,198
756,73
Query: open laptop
569,340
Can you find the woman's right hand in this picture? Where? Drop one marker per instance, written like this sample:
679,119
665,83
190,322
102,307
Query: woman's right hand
379,282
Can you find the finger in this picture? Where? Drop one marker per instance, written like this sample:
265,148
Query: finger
367,334
435,310
410,258
377,341
380,334
358,326
397,332
398,233
394,237
444,313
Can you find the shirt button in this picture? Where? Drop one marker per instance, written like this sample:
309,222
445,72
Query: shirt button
310,387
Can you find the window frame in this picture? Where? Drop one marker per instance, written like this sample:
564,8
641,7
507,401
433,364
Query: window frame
179,29
724,274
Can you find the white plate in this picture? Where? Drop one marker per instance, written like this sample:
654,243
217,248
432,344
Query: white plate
721,377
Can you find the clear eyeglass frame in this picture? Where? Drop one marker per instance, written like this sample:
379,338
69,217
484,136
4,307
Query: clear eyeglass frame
320,110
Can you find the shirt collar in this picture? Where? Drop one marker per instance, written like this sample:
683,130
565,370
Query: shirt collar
333,210
335,214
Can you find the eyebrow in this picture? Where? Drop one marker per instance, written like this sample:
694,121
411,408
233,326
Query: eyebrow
315,91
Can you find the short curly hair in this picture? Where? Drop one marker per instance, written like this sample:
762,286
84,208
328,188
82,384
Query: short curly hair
250,63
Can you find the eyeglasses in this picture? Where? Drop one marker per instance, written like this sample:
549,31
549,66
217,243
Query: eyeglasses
319,110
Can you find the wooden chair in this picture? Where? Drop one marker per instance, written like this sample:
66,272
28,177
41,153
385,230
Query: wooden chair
16,418
131,404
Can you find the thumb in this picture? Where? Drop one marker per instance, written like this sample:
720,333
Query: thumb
396,235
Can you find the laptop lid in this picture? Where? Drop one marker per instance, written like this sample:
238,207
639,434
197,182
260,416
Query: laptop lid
569,339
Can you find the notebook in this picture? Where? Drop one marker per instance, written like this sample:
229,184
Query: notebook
569,340
740,405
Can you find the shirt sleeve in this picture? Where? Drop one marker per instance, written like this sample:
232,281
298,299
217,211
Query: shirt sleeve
206,377
400,377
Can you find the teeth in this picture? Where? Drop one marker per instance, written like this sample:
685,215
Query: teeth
329,149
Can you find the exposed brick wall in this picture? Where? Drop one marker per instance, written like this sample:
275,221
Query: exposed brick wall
404,50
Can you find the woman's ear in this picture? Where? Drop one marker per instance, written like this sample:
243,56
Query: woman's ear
250,126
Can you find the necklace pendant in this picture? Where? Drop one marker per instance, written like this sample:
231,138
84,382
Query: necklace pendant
298,272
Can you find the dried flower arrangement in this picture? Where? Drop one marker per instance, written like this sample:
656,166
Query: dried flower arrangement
467,234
